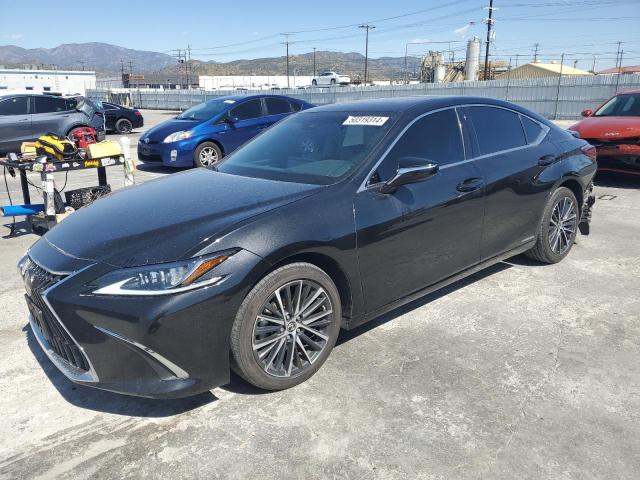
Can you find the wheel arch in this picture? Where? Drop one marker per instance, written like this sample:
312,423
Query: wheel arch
212,140
576,188
330,266
73,127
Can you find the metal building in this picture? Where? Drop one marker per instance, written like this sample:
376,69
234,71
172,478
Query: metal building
541,70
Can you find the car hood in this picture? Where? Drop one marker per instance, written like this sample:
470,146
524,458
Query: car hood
162,130
166,219
608,128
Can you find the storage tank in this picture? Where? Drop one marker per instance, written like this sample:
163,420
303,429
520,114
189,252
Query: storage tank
472,61
439,73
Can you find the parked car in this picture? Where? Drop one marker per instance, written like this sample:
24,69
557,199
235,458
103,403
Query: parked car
614,129
202,135
332,217
121,119
331,78
26,117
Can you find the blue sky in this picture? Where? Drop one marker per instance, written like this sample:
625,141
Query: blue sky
249,29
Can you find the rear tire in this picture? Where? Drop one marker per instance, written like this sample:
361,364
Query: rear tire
333,81
280,337
558,228
124,126
207,155
314,82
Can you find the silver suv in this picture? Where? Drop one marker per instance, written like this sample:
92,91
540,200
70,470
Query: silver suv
25,117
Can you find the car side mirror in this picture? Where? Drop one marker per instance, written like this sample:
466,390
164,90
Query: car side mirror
586,113
231,120
410,170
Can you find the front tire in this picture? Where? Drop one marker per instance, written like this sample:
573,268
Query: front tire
286,327
558,228
207,155
124,126
314,82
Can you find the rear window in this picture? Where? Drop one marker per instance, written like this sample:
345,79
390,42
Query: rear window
277,106
496,129
50,104
531,129
14,106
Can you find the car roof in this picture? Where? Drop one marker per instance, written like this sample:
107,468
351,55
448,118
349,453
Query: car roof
421,103
249,97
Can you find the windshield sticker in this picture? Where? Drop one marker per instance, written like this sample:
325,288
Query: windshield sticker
366,120
229,101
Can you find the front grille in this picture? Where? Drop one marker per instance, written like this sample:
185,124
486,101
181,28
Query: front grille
37,281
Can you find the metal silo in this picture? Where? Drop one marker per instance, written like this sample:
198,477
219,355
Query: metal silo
473,59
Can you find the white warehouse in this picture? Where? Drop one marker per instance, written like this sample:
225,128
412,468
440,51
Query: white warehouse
66,82
252,82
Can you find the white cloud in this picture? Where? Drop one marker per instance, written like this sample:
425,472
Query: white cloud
13,36
421,40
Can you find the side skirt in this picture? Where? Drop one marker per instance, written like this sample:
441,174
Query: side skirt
354,322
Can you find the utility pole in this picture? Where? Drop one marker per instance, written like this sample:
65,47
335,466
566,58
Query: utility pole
555,113
366,49
314,61
286,42
535,52
130,71
187,66
593,66
486,53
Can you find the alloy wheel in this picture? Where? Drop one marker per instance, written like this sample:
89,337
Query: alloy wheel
562,225
208,157
292,329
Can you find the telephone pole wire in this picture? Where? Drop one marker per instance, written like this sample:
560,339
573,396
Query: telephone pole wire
366,49
486,53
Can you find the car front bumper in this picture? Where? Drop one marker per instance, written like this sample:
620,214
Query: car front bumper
176,154
166,346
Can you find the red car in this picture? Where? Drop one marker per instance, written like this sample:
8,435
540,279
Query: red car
614,129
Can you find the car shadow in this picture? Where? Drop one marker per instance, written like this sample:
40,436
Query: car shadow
616,180
348,335
109,402
157,168
238,385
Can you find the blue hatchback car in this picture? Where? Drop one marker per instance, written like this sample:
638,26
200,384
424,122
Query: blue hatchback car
202,135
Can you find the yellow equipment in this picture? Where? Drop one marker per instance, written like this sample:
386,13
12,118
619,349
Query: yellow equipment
55,147
106,148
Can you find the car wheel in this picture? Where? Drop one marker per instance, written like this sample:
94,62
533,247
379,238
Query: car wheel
314,82
73,130
558,228
124,126
207,155
286,327
333,81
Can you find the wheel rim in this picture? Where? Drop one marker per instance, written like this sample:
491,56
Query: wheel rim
125,127
208,156
562,225
292,329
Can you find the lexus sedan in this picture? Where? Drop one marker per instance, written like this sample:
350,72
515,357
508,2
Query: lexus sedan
202,135
325,221
614,129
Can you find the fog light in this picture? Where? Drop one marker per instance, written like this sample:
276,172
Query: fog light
174,155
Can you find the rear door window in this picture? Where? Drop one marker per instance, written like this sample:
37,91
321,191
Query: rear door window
50,104
248,110
435,137
531,129
496,129
277,106
14,106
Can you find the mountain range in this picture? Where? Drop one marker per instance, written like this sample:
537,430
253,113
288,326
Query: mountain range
107,59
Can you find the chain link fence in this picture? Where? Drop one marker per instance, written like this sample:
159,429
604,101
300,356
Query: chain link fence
562,97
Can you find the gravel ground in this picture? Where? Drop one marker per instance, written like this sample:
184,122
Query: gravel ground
521,371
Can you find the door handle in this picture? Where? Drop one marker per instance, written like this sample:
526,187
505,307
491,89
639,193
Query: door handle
546,160
470,185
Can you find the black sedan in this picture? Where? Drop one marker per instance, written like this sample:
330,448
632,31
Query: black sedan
324,221
121,119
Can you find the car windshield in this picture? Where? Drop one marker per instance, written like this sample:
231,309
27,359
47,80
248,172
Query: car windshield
206,110
312,147
625,105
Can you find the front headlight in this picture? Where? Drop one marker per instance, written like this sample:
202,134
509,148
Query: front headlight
177,136
161,279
